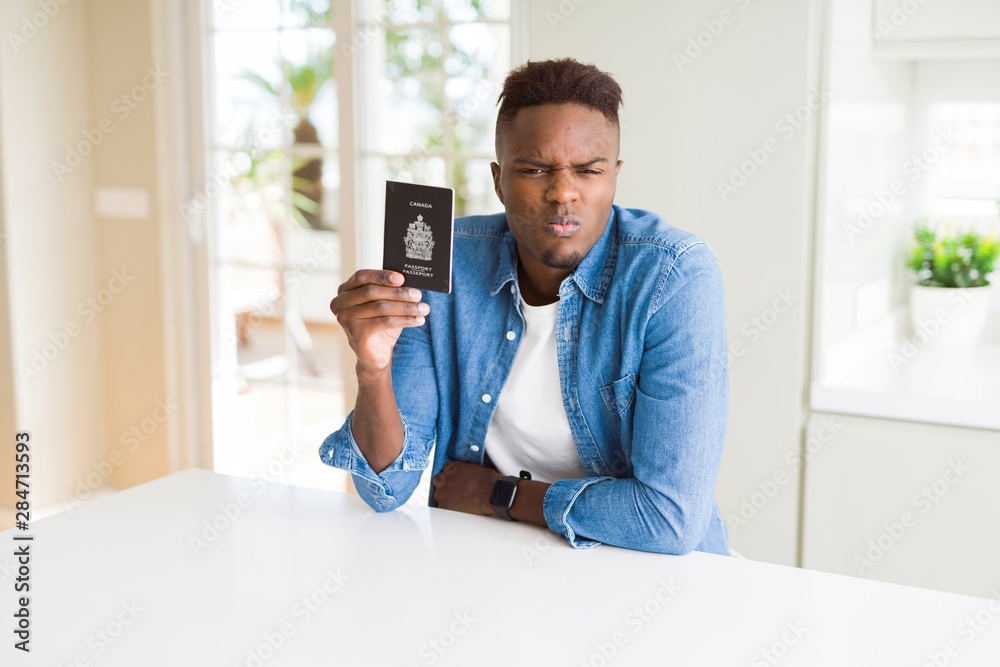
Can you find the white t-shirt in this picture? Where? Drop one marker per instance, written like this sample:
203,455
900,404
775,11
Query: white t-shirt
530,430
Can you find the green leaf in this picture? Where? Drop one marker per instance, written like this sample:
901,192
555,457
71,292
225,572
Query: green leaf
950,258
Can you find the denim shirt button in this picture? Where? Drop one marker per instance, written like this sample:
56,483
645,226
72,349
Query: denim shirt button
487,398
511,335
474,448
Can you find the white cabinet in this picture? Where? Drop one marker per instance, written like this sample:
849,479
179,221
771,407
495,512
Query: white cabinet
931,29
906,503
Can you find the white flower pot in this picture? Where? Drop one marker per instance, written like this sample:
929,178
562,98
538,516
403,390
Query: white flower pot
951,317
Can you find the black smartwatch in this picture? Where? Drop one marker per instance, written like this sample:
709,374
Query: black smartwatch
504,490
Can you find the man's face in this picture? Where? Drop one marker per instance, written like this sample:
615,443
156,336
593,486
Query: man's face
558,167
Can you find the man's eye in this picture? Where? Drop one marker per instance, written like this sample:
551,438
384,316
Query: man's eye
591,171
531,171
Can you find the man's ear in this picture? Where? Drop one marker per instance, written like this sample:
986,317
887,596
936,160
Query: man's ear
495,168
618,166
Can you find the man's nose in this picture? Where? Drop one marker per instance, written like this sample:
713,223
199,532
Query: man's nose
562,189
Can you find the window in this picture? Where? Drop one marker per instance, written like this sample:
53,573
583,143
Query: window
924,143
275,252
964,184
428,74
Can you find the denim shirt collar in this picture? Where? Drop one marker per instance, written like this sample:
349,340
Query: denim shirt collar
592,276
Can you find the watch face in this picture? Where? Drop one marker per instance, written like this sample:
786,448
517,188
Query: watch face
503,493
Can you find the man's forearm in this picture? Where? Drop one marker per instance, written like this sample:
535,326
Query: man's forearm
376,425
528,502
466,487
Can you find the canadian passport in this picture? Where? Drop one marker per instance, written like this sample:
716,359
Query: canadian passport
419,223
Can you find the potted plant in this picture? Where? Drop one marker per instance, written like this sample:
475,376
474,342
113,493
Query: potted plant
950,301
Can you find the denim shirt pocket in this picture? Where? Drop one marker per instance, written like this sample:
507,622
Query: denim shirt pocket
618,397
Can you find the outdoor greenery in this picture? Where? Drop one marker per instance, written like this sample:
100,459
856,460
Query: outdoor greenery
950,258
304,83
416,63
258,185
417,56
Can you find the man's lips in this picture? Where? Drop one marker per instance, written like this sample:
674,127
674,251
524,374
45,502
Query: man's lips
563,225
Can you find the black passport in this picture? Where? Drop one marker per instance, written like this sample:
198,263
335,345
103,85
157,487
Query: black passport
419,221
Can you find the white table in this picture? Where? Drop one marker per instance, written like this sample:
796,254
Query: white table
423,586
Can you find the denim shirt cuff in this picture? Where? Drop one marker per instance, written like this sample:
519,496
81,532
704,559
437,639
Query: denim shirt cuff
340,450
558,502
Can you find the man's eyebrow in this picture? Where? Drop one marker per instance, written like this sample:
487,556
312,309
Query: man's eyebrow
539,163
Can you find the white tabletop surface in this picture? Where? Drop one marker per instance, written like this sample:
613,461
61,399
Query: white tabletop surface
117,582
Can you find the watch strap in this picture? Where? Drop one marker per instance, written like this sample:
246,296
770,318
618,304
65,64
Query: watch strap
504,512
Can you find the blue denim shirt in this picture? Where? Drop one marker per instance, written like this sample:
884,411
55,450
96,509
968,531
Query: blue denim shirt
641,346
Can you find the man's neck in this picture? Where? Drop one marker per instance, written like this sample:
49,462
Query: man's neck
539,287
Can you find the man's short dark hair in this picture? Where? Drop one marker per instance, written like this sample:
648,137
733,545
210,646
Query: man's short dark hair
563,81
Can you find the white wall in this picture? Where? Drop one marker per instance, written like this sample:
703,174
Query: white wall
683,130
85,293
8,396
121,64
50,247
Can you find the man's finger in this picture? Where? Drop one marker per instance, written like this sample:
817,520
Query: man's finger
375,292
371,276
387,308
373,325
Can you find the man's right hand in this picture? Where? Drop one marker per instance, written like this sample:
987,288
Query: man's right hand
373,307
